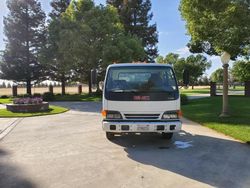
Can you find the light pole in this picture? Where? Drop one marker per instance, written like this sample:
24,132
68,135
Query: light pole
225,58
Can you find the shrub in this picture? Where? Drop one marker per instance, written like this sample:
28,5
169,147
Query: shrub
98,93
184,99
24,96
36,100
4,97
47,96
37,95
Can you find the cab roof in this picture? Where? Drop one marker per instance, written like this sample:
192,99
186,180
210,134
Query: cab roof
138,65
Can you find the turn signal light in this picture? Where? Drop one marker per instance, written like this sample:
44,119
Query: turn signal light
104,113
179,112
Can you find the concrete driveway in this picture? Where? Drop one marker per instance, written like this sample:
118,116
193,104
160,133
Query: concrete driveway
70,150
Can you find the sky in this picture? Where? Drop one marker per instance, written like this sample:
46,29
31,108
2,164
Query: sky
170,26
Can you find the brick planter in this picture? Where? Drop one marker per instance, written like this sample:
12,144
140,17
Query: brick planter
28,107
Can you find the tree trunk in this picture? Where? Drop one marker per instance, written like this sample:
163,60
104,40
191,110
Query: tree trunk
247,88
212,89
63,85
98,89
90,84
28,87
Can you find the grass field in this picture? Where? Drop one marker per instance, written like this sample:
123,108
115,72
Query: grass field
206,90
206,112
52,110
195,91
6,101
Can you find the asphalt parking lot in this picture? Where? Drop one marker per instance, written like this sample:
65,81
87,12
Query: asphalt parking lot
70,150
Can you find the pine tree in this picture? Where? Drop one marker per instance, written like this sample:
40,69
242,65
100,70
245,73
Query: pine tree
135,15
94,38
24,31
57,67
59,6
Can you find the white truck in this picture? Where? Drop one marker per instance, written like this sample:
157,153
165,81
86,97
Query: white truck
141,98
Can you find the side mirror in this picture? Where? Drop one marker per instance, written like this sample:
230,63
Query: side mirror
186,77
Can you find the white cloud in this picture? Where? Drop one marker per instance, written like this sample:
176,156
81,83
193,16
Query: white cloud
214,58
183,52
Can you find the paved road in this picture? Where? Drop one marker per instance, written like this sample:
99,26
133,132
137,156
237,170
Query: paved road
70,150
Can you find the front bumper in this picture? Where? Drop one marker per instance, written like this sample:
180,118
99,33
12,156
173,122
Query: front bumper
141,126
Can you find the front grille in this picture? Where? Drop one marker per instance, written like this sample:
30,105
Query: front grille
141,116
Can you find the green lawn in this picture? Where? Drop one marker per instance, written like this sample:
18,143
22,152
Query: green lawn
206,112
195,91
52,110
6,101
237,88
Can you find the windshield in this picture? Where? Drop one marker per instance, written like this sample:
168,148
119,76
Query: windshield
141,80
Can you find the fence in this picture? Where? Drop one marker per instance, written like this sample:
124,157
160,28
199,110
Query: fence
41,90
215,89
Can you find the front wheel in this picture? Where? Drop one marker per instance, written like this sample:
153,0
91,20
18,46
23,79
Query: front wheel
110,136
167,136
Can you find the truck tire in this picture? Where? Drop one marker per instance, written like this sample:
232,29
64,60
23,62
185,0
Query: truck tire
167,136
110,136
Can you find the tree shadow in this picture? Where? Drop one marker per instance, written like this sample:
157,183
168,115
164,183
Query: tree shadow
214,161
94,107
11,176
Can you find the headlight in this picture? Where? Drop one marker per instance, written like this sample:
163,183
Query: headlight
111,115
170,115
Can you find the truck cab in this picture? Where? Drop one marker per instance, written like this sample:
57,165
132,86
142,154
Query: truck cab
141,98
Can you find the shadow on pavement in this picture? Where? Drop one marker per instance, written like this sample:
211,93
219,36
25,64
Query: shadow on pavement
11,176
94,107
216,162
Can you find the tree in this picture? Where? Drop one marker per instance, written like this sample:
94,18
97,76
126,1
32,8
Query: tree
57,67
160,59
95,38
218,27
203,81
196,65
59,7
136,17
241,71
170,58
217,76
24,30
